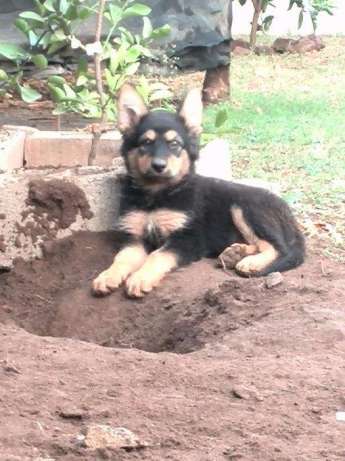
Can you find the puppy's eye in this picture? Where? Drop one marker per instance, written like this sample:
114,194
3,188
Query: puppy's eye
146,142
174,143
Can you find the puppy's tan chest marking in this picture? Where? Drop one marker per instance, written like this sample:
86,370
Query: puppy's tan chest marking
162,221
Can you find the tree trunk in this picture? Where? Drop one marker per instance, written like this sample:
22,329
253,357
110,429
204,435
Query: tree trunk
257,10
216,84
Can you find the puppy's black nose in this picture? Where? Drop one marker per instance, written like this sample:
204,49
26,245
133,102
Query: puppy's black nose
159,164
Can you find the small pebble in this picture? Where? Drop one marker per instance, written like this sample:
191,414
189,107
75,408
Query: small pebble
273,279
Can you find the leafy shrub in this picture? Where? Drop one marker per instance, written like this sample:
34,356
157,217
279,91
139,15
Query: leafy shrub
52,26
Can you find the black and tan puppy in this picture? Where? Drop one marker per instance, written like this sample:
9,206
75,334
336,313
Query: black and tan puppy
170,216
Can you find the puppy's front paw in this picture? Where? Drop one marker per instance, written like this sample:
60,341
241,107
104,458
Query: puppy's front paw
140,283
106,282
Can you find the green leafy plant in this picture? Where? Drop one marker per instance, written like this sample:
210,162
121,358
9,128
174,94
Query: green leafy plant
121,54
13,81
53,26
48,28
155,94
314,8
260,21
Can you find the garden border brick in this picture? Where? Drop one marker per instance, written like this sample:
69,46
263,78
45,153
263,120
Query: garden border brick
26,147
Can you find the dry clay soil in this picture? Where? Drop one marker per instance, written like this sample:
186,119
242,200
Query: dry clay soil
208,367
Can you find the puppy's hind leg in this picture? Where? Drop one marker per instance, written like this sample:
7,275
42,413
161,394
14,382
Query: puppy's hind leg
257,263
257,254
235,253
280,244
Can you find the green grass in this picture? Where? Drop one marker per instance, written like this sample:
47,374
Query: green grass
286,124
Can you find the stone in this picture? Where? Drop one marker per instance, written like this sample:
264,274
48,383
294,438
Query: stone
241,392
273,279
215,160
301,45
11,149
308,44
283,45
44,149
73,413
240,47
238,43
262,50
108,148
27,129
103,436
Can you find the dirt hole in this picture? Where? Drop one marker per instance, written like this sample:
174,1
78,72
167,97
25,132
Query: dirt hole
194,306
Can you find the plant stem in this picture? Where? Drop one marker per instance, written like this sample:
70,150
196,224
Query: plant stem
98,66
99,84
257,10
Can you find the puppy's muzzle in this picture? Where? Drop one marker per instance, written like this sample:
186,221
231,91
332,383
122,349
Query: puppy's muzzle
159,165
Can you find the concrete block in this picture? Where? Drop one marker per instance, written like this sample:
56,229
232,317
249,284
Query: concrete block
11,149
24,227
215,160
45,149
27,129
108,148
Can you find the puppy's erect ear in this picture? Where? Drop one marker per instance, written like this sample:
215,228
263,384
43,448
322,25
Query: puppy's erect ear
191,111
130,107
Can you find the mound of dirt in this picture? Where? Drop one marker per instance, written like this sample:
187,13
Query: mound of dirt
208,367
59,201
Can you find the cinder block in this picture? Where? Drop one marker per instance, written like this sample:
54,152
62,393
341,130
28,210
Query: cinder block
22,235
26,129
57,149
108,148
11,149
215,160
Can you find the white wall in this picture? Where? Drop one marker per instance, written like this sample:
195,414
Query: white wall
286,22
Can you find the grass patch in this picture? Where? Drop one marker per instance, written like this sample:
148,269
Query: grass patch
286,124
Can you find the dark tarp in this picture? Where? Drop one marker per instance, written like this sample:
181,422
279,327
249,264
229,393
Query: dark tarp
200,29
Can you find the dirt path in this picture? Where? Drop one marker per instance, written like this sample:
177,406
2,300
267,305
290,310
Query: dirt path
209,367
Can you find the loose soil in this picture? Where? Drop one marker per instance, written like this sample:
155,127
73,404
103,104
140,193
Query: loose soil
208,367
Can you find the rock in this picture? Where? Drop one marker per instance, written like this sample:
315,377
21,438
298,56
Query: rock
263,50
100,436
301,45
6,264
239,44
241,392
273,279
240,47
215,160
239,51
10,368
283,45
308,44
73,413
